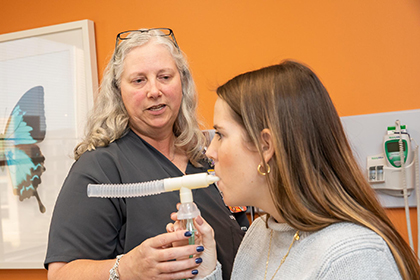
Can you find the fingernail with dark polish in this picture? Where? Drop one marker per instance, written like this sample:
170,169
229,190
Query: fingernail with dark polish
188,233
200,249
195,272
198,260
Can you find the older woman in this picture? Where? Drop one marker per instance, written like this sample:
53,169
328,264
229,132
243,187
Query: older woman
143,127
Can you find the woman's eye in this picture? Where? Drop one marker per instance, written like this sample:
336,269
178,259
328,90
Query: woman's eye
139,80
219,135
165,77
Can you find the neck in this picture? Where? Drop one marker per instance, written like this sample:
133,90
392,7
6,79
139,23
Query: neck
273,213
163,142
278,218
266,203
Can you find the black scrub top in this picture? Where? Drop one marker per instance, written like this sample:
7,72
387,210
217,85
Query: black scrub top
102,228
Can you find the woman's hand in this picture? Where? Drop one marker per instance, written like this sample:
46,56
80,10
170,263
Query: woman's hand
209,255
155,258
205,237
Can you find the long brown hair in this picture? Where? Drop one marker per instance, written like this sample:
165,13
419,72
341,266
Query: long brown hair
315,180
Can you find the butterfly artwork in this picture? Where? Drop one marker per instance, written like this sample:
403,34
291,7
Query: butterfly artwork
19,152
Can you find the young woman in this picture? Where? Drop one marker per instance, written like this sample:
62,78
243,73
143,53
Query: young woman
280,146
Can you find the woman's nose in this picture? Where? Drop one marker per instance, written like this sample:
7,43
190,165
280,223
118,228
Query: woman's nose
153,91
211,152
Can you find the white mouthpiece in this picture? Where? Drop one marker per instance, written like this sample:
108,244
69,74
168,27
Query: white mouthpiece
193,181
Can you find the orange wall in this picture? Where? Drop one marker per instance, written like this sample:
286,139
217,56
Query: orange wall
366,52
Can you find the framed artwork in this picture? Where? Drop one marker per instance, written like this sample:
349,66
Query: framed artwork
48,77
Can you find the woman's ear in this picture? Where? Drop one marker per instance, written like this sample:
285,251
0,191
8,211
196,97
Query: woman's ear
267,144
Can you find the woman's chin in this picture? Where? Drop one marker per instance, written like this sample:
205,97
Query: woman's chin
227,198
228,201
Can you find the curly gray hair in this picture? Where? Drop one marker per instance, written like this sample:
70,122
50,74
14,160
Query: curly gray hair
109,120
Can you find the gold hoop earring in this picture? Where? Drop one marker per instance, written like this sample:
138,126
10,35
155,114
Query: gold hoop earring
263,173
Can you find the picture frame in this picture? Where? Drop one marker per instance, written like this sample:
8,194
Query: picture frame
48,79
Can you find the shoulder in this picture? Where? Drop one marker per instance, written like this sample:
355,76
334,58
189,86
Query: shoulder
348,247
342,238
257,224
97,157
103,162
105,154
346,234
256,231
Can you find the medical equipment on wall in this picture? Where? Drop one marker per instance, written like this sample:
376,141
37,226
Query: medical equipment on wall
395,172
187,210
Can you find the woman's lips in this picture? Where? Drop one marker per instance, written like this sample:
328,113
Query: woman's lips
157,107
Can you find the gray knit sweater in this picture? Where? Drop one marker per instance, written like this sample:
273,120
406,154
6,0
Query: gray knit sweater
340,251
